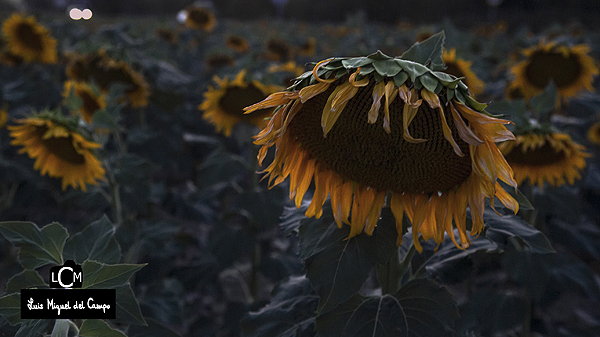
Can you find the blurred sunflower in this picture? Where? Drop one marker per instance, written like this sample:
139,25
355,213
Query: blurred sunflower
223,106
200,18
237,43
216,61
571,69
550,157
461,68
290,69
278,50
58,150
106,71
10,59
92,100
389,126
28,39
3,116
309,48
593,134
167,35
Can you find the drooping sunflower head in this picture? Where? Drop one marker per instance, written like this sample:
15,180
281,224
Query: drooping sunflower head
92,100
545,157
593,133
29,40
59,151
107,71
223,105
363,128
200,18
238,43
571,69
461,68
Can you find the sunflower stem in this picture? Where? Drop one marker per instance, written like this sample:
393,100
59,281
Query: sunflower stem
390,274
115,195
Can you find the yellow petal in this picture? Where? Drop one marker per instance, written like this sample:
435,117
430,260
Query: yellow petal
464,132
390,94
378,92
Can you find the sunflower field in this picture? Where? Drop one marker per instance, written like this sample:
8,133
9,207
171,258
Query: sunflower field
277,177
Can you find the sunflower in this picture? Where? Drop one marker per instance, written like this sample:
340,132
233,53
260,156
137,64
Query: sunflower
545,157
216,61
223,106
10,59
238,43
200,18
309,48
107,71
58,150
290,70
92,100
28,39
571,69
3,116
461,68
594,133
278,50
363,128
167,35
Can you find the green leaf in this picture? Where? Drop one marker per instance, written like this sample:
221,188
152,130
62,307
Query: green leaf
428,52
452,265
546,102
387,67
420,308
73,102
291,312
385,236
335,265
449,81
471,102
489,312
33,328
107,276
95,242
24,279
108,118
400,78
153,329
513,229
61,328
128,308
98,328
36,247
378,56
546,275
10,308
429,82
413,69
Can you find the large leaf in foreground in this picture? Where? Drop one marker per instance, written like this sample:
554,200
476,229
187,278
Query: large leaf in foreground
420,308
335,265
37,247
291,312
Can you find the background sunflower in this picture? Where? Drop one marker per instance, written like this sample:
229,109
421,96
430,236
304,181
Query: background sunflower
223,106
28,39
570,68
59,151
540,158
